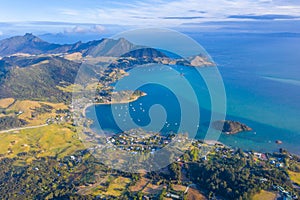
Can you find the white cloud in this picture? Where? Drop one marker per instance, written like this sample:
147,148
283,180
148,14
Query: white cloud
85,29
151,13
139,14
70,12
1,33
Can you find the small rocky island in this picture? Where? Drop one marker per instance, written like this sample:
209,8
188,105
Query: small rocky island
230,127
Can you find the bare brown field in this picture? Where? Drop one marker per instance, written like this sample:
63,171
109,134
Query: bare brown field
4,103
194,194
139,185
181,188
265,195
152,189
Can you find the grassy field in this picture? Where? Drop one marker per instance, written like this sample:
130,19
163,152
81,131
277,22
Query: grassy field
93,86
52,140
117,186
80,88
265,195
4,103
295,176
71,88
27,108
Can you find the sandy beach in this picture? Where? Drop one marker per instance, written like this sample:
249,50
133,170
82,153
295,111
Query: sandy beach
113,102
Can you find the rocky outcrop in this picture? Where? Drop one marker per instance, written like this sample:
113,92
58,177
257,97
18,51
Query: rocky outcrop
231,127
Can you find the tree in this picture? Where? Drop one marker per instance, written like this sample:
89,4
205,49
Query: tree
175,171
140,195
162,194
195,154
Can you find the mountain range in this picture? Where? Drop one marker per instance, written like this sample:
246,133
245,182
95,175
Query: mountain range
31,68
30,44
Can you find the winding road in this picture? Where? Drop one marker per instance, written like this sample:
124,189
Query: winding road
23,128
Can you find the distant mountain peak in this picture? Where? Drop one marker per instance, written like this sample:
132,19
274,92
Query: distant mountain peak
29,35
28,43
33,38
122,39
110,47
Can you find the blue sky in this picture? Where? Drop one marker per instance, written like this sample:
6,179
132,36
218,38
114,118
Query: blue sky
98,16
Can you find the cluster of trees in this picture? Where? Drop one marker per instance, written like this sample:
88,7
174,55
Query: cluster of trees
229,175
45,108
9,122
37,82
175,171
236,177
53,178
41,180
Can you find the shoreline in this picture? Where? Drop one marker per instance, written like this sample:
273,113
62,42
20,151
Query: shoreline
112,103
212,142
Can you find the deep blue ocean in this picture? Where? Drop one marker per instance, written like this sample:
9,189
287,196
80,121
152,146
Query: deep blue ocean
261,74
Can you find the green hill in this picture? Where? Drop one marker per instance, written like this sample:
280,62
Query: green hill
37,78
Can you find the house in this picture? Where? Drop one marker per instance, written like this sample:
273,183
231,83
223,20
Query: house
257,154
73,157
263,180
174,196
263,157
279,165
273,162
146,198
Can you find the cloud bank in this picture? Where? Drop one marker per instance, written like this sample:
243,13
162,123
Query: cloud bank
99,16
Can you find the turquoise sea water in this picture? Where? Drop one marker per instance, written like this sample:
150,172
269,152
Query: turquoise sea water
261,75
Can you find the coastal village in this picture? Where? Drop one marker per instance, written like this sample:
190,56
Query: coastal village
173,182
53,157
199,152
205,152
